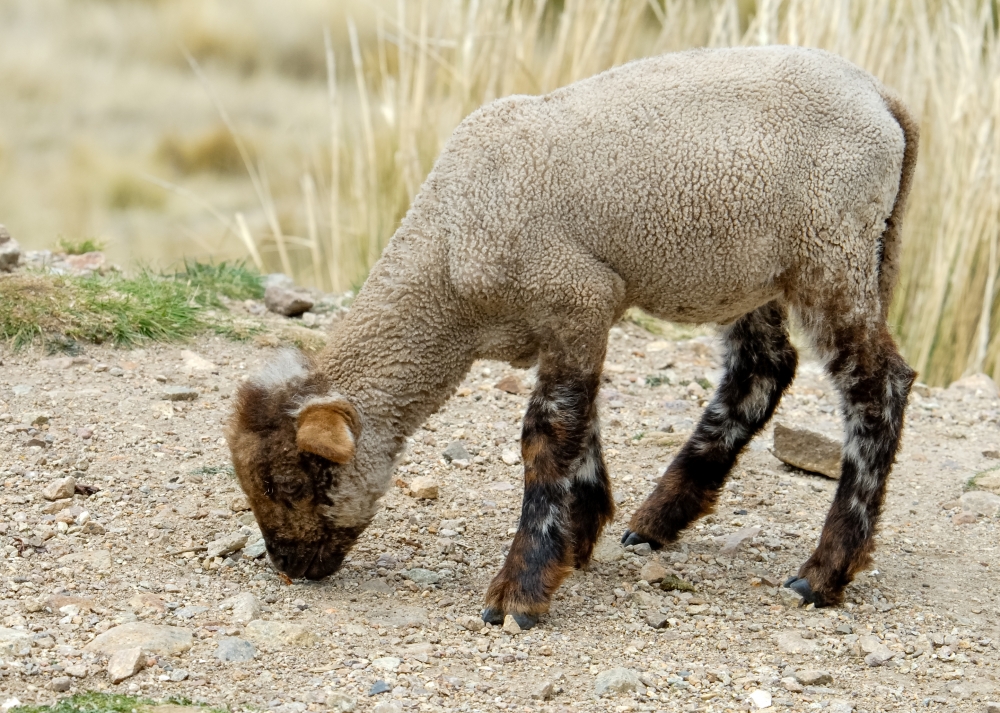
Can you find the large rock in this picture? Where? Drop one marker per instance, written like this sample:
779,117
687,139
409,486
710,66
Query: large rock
424,487
981,502
98,560
159,639
608,550
617,680
226,545
10,251
125,663
60,489
13,641
287,301
807,450
279,633
233,649
989,481
246,608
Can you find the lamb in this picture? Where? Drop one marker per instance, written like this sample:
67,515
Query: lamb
735,186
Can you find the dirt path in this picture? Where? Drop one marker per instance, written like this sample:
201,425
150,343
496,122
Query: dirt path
400,615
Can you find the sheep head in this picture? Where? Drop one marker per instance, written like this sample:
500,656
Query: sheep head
293,448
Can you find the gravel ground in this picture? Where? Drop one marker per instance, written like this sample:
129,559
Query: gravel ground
85,576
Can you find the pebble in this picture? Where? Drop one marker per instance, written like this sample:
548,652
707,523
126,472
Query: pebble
790,598
255,549
456,450
60,489
734,541
287,301
232,648
791,642
98,560
510,457
159,639
813,677
608,550
992,707
980,502
225,545
387,663
77,670
60,684
10,251
422,576
388,707
643,549
511,385
378,687
125,663
470,623
424,488
510,625
341,703
761,699
653,572
807,450
543,691
279,633
245,608
617,680
658,620
239,503
180,393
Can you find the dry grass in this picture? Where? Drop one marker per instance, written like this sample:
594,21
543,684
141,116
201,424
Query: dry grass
345,131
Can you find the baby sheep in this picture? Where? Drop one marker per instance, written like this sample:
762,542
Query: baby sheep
730,186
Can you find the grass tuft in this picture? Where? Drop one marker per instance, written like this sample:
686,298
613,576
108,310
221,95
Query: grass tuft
80,247
94,702
60,311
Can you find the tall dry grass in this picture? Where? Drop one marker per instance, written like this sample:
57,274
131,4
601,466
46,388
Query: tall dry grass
430,63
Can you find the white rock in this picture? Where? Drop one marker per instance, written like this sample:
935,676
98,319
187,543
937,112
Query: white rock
981,502
166,640
761,699
791,642
387,663
617,680
12,641
245,607
225,545
510,457
341,703
424,488
510,625
125,663
279,633
99,560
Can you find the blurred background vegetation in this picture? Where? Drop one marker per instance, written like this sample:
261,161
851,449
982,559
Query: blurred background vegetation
294,135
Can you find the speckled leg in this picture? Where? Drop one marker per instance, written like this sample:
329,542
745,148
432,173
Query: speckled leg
760,364
592,504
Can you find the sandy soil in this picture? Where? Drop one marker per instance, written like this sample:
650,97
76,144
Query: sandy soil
922,630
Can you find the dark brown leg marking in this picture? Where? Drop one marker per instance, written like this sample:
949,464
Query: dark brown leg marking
874,383
542,554
760,364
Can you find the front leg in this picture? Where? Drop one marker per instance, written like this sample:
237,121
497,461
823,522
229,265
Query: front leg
542,554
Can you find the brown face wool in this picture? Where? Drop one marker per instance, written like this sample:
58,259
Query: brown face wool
738,186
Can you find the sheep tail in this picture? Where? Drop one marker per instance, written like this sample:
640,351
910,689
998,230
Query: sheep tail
889,266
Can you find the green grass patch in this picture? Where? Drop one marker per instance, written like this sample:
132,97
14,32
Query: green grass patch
93,702
61,311
973,484
80,247
654,380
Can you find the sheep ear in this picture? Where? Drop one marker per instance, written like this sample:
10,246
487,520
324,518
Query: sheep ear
328,427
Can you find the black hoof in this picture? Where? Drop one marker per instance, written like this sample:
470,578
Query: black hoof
492,615
801,586
525,621
632,538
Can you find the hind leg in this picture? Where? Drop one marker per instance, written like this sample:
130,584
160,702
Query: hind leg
760,364
591,504
874,383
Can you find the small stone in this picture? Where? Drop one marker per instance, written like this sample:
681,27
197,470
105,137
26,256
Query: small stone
543,691
470,623
125,663
511,385
225,545
792,686
734,541
10,251
245,608
608,550
159,639
510,457
844,629
456,451
424,488
13,641
989,481
287,301
378,687
617,680
813,677
77,670
387,663
879,657
388,707
180,393
195,362
92,527
839,705
232,648
510,625
255,549
178,674
672,582
761,699
992,707
790,598
422,576
341,703
653,572
60,489
807,450
643,549
658,621
60,684
964,518
791,642
980,502
279,633
991,454
239,503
